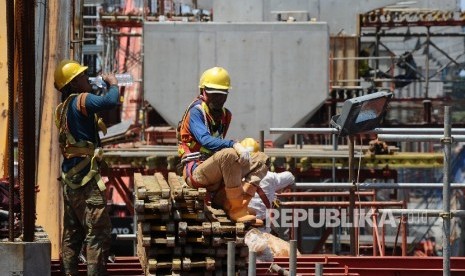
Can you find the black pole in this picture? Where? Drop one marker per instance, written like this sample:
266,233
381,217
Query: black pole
353,238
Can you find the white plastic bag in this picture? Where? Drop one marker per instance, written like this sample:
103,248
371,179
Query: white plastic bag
256,241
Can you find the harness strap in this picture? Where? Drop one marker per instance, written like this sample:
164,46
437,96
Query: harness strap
79,149
81,103
79,167
263,197
92,174
187,173
72,148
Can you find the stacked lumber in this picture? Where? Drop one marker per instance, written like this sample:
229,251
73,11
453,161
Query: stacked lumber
178,233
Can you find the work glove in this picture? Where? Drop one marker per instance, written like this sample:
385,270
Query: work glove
244,154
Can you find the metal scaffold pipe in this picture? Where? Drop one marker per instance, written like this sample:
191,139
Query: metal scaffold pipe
418,138
293,258
447,141
252,263
455,131
367,186
422,212
231,262
304,130
398,131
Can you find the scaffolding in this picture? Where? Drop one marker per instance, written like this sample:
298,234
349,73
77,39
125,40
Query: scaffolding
353,186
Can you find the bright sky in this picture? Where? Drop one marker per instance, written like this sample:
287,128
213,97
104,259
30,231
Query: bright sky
462,5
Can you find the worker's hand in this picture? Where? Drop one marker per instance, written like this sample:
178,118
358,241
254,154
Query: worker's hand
110,79
244,154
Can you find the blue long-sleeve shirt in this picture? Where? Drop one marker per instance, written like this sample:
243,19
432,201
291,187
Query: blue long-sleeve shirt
202,133
83,127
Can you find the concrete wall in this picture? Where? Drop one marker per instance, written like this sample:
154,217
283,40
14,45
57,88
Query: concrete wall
279,71
341,15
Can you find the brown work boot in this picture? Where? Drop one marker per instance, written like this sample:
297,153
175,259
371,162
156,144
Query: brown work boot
219,200
249,192
238,205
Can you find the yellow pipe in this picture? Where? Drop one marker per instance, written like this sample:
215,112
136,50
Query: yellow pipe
49,198
3,95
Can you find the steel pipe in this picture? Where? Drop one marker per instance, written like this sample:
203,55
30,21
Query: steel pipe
126,237
423,212
322,194
418,138
231,258
376,131
416,130
304,130
339,203
376,186
252,263
318,269
293,258
446,215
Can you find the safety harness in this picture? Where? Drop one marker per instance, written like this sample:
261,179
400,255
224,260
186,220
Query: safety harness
190,151
85,149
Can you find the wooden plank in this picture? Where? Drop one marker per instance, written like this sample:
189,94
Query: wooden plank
343,47
164,187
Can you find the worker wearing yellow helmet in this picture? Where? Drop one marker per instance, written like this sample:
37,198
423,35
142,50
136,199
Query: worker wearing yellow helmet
210,160
86,221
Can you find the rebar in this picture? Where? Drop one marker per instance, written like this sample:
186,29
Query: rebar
25,10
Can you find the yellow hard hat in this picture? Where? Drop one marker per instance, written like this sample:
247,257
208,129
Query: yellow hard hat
215,78
250,144
66,71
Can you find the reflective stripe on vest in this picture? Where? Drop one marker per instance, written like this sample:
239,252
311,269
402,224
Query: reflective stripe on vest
192,145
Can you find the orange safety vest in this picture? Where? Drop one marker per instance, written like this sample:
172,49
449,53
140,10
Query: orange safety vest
186,141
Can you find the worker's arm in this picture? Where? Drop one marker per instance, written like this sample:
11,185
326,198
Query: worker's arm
199,130
96,103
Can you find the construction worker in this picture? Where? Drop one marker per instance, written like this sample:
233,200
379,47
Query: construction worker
265,196
222,166
86,222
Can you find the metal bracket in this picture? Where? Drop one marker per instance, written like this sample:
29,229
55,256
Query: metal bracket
447,140
446,215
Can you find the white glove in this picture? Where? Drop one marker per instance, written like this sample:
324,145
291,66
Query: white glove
244,154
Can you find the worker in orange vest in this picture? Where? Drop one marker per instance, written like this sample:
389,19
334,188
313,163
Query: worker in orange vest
222,166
